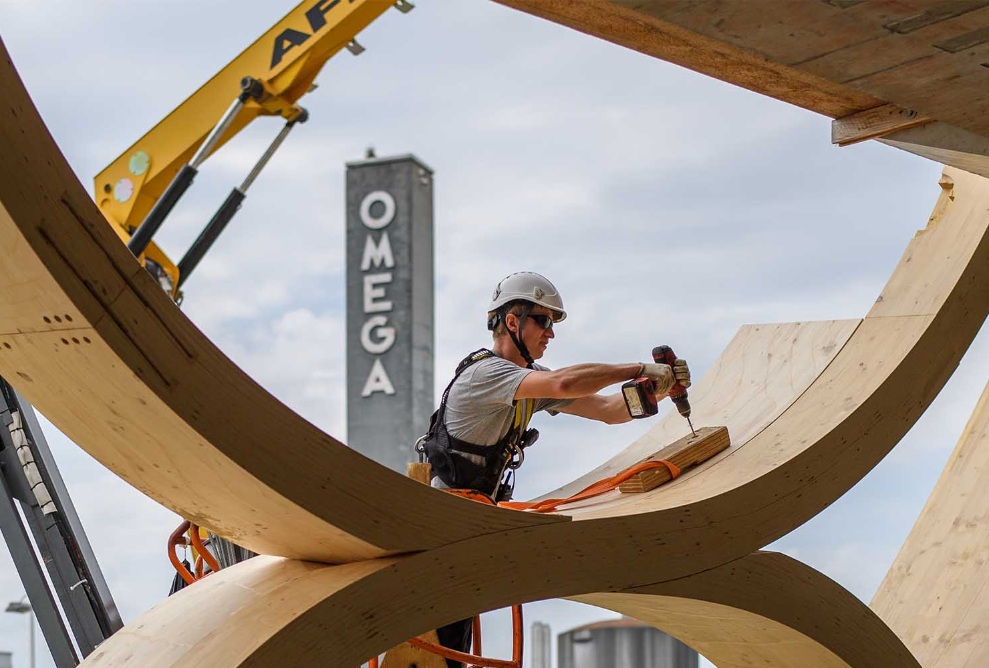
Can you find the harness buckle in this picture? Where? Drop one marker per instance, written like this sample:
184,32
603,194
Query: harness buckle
420,448
516,457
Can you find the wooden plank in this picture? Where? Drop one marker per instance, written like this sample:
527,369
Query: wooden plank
419,471
873,123
684,454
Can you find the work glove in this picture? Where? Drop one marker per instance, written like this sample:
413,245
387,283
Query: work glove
681,372
661,376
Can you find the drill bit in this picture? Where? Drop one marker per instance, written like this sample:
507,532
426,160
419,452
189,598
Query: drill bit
691,424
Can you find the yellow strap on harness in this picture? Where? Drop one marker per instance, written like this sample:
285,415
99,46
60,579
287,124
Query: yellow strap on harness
523,413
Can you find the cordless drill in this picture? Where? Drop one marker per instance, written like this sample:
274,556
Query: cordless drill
678,393
640,395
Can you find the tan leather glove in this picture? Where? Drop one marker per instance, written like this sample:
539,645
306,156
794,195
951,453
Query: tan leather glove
661,376
681,372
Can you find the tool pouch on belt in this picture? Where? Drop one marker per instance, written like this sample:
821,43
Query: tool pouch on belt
435,446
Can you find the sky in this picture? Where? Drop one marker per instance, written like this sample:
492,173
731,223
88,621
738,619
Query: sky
667,207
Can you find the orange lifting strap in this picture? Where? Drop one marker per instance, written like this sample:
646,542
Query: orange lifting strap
185,534
592,490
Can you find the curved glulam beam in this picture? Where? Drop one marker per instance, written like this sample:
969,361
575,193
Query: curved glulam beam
764,609
934,593
850,416
90,339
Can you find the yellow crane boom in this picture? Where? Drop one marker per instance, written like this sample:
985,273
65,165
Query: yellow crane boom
280,67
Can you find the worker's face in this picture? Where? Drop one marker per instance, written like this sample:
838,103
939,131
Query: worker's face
536,337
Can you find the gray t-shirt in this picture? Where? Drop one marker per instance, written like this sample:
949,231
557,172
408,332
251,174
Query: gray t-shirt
479,409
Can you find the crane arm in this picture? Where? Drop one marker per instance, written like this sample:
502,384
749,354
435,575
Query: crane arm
284,60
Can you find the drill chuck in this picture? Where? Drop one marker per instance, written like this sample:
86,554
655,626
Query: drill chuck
678,393
682,404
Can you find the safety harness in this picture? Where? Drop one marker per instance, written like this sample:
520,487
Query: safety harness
446,453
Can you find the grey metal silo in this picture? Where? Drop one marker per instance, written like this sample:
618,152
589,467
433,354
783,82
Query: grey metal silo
622,643
542,640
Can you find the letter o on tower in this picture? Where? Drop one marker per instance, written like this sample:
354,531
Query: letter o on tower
382,221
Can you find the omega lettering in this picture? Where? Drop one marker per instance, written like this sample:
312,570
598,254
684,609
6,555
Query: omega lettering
377,211
373,294
384,336
377,253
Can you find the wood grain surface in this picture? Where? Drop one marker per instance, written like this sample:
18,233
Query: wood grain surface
764,609
934,594
837,58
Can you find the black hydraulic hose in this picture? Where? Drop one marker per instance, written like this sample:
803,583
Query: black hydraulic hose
231,205
146,231
142,237
210,234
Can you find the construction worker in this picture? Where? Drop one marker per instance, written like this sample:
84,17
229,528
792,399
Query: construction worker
477,436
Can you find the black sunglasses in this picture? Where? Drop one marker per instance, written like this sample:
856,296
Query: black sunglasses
544,321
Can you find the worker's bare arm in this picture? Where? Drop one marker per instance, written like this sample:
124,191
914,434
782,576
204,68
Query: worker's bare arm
572,382
609,408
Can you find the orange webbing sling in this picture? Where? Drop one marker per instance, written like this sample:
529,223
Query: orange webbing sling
594,489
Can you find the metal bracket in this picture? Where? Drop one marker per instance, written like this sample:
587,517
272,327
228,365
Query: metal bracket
355,47
404,6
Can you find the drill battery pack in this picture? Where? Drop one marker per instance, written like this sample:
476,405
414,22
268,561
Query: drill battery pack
640,398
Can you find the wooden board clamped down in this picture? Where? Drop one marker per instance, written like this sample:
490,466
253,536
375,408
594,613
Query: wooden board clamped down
688,451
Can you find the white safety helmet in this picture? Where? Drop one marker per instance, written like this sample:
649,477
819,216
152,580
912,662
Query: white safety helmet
531,287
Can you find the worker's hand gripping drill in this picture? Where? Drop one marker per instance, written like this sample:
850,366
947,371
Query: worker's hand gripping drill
681,373
667,376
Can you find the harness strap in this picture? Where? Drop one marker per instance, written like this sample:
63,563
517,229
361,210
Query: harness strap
461,466
475,356
524,410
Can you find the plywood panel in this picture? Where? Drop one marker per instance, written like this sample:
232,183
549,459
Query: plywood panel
760,373
934,595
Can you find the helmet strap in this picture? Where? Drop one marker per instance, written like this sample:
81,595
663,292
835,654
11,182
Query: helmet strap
523,350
